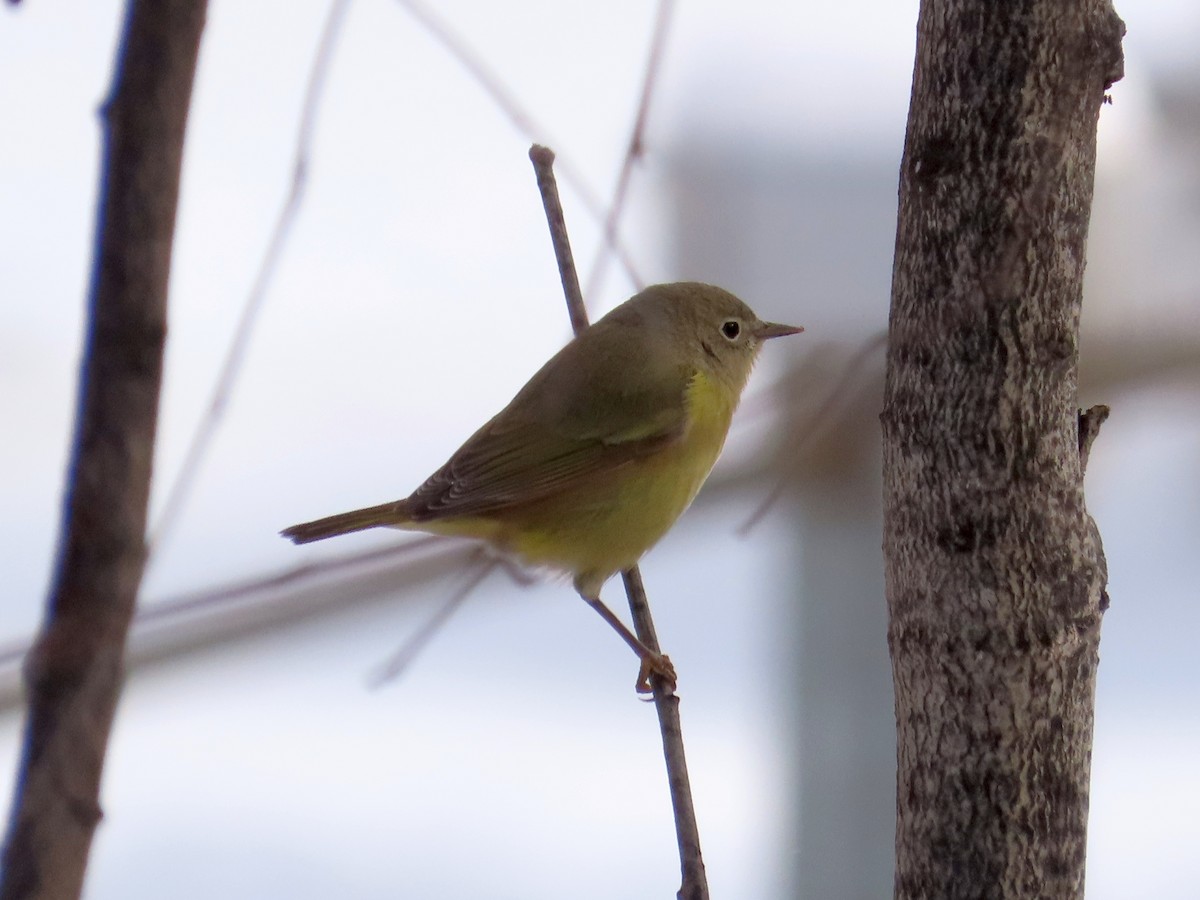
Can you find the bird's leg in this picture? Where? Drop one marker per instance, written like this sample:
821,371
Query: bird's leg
653,662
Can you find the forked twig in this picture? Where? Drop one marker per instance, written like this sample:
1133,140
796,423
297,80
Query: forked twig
666,702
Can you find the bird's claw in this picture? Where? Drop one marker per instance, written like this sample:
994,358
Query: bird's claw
659,664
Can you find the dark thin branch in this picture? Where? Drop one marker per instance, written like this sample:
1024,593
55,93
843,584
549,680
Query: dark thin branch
666,702
74,672
543,166
185,479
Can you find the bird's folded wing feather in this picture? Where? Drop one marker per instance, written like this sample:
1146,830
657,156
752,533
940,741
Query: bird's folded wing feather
571,423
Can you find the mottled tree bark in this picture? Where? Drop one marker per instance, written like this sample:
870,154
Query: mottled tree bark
73,673
994,570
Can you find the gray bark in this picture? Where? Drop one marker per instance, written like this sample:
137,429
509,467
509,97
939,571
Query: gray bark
994,571
73,673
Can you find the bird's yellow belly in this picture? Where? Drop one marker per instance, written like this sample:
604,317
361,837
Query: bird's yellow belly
605,526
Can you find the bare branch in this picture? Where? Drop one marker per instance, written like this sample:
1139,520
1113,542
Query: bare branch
521,118
74,671
817,424
543,165
185,478
213,615
633,151
666,702
995,571
399,661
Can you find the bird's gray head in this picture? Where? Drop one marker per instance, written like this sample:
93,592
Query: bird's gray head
716,331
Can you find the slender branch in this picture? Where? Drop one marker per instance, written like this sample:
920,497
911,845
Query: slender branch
185,478
176,625
520,117
74,672
666,702
543,167
407,653
817,425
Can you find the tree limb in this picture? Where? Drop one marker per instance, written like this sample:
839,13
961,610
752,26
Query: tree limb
995,573
73,673
687,833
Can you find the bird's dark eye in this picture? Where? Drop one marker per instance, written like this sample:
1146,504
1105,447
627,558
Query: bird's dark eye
731,329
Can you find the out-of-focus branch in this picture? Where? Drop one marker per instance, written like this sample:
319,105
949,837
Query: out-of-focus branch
816,424
520,117
185,479
633,151
397,664
74,672
666,702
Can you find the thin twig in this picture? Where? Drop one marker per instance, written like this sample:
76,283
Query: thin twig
816,426
520,117
633,150
543,167
185,478
398,662
666,702
174,625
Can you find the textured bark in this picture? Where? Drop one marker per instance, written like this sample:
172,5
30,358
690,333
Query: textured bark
73,673
994,570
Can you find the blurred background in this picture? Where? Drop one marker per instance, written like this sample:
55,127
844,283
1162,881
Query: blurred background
416,293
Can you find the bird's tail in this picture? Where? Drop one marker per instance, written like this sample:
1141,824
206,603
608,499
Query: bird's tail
344,523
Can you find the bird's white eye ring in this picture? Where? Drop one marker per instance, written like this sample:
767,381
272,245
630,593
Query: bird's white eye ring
731,329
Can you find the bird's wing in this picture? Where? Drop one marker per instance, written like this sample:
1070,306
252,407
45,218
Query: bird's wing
583,415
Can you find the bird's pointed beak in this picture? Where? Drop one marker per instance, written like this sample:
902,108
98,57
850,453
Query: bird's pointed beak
767,330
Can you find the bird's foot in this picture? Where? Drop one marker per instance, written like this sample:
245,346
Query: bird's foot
658,664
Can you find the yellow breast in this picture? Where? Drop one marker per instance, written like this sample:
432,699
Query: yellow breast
605,527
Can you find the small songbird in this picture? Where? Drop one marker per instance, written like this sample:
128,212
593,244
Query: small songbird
601,451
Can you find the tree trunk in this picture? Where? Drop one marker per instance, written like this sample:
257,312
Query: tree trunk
73,673
995,575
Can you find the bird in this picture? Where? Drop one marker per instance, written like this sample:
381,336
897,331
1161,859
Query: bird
601,451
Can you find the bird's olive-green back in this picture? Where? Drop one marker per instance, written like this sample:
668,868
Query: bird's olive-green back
615,393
